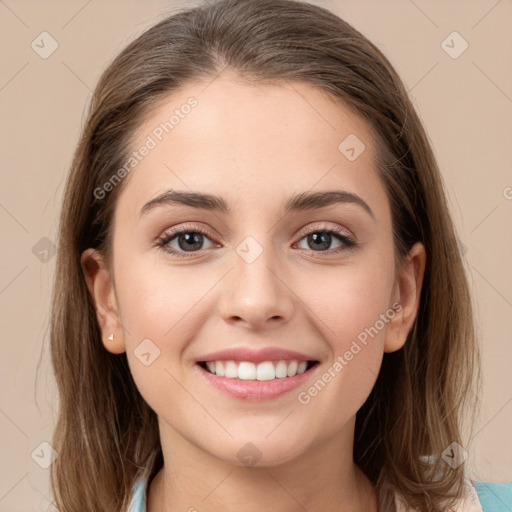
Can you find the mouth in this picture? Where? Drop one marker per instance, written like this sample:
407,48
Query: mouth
256,382
261,371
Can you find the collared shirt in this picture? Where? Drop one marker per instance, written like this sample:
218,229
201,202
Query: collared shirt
479,497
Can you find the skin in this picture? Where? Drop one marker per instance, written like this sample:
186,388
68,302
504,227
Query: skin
247,144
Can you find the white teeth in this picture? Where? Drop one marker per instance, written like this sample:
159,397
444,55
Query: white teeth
231,370
246,371
302,367
292,368
281,370
267,370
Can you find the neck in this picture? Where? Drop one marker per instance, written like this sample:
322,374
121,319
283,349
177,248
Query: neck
324,478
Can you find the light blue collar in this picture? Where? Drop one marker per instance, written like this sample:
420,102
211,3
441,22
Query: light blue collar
494,497
138,502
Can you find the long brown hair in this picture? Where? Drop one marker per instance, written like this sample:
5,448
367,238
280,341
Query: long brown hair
106,434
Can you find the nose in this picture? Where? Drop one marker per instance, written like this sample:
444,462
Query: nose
256,294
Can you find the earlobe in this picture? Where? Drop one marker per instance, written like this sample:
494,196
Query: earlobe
100,286
407,293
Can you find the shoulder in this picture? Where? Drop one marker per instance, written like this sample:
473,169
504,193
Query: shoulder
478,497
494,497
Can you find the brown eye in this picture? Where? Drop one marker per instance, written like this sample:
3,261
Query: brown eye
321,240
189,241
184,240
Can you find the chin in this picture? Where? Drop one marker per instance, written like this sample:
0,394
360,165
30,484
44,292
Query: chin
261,452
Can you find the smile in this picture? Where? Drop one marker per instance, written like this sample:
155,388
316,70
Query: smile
263,371
249,381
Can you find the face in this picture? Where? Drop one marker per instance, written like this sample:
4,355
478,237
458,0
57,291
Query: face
280,282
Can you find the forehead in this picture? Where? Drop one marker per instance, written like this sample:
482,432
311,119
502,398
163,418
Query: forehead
248,141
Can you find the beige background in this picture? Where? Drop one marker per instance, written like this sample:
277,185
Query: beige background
466,105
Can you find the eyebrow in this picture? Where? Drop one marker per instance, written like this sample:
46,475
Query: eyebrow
297,203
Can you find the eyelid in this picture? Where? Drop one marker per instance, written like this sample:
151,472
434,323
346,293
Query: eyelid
187,227
325,227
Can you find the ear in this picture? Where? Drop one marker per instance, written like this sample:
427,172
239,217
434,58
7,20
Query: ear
100,285
406,298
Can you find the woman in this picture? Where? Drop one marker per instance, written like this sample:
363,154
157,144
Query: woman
259,299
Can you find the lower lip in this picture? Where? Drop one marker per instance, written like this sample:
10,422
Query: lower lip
256,389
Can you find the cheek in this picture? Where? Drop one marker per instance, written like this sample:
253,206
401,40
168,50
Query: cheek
349,301
342,384
352,310
155,302
154,309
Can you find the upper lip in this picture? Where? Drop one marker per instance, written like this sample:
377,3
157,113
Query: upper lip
255,356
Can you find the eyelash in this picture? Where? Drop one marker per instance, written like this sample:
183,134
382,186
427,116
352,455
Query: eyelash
348,242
